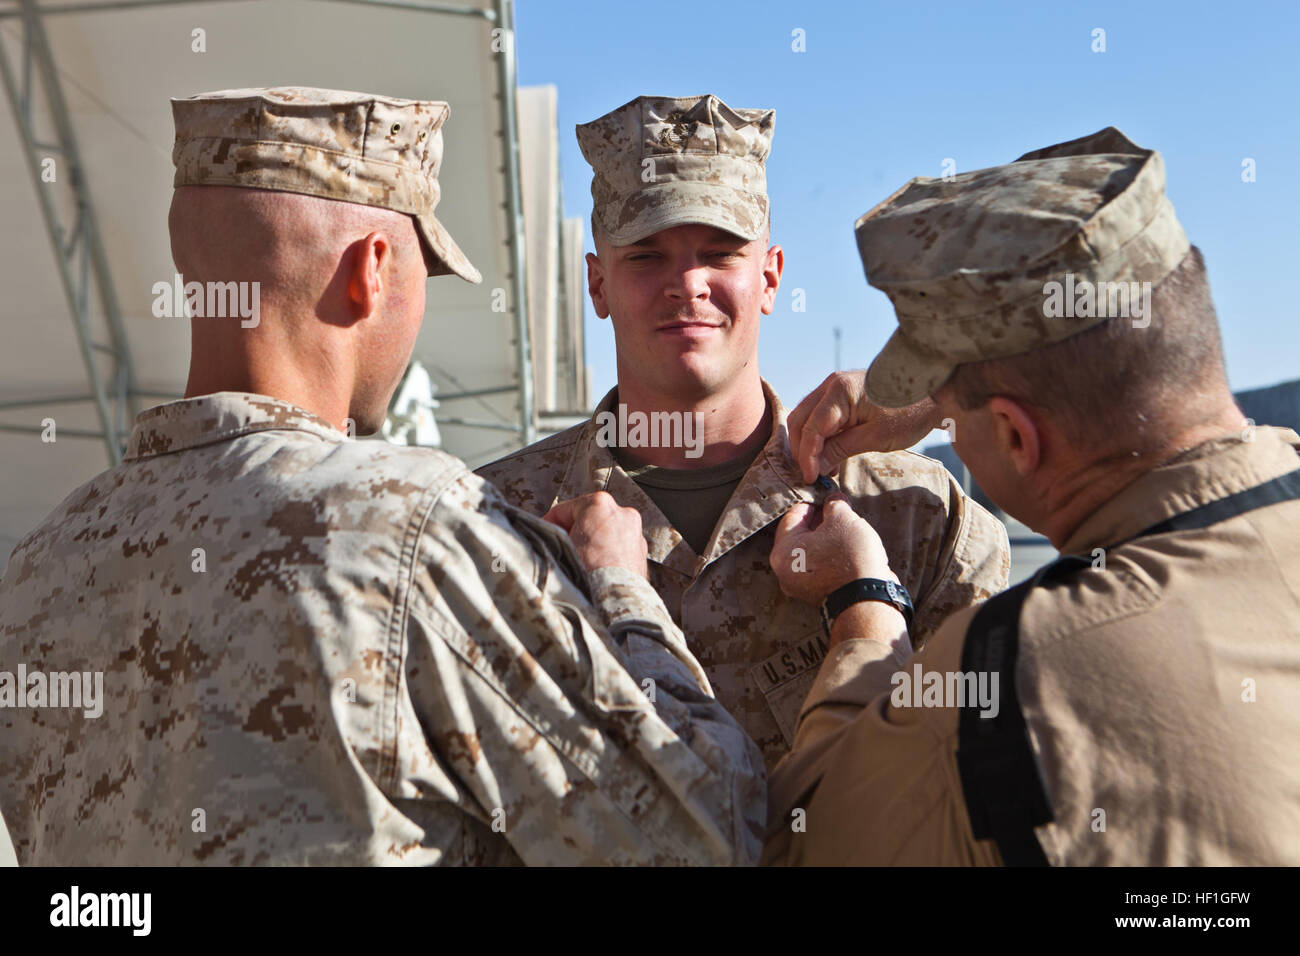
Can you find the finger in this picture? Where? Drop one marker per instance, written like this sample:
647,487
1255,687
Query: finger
851,441
830,417
824,422
796,419
831,456
837,503
809,457
563,513
796,422
793,519
838,510
788,530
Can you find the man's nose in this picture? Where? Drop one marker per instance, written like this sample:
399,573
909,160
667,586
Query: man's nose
689,281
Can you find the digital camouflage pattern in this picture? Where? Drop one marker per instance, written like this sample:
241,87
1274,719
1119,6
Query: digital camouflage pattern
761,649
354,147
660,162
965,259
318,650
1160,692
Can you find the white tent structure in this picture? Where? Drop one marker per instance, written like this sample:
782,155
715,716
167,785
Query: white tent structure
88,180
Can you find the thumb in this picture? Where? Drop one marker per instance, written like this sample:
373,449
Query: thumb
836,503
810,456
562,514
792,519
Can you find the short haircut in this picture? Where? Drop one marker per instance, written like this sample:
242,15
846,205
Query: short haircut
1114,382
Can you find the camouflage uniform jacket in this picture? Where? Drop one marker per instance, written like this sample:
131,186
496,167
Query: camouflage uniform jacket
761,649
318,650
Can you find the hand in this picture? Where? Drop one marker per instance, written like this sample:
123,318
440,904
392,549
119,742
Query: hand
837,421
604,534
819,550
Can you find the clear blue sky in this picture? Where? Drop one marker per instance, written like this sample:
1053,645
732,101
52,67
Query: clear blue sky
887,91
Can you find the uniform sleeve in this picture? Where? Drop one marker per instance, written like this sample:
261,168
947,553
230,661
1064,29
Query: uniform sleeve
975,565
868,783
568,711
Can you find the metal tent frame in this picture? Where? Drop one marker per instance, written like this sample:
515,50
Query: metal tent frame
79,249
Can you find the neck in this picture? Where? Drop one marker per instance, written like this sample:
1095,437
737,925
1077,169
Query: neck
261,363
728,423
1074,494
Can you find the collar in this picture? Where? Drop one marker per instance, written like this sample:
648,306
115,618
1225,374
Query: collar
192,422
1208,472
768,489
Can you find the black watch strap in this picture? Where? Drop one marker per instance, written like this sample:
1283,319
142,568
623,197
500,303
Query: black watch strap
866,589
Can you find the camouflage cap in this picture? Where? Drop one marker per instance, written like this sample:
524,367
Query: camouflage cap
974,264
661,162
354,147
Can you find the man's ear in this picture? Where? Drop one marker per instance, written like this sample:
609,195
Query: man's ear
1017,434
773,265
371,257
596,285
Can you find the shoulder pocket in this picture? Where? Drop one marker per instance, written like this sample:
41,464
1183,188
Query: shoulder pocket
549,541
612,687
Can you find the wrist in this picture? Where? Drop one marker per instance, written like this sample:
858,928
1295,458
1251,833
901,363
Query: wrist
886,591
873,620
878,572
596,562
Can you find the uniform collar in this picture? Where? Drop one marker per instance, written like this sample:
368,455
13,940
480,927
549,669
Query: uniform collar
768,489
218,417
1208,472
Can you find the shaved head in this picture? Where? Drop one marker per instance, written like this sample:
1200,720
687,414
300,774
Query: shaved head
341,290
289,242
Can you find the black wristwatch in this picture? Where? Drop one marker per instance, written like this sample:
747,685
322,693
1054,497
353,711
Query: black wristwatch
866,589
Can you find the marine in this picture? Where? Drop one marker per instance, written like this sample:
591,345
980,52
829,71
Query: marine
685,271
1147,707
316,650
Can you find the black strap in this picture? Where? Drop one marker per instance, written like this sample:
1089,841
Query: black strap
1282,488
1004,790
1004,794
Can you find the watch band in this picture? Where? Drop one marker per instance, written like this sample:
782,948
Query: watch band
866,589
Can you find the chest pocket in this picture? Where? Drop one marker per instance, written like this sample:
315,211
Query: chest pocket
786,677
